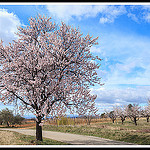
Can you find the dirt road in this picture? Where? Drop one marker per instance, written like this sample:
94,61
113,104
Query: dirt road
71,138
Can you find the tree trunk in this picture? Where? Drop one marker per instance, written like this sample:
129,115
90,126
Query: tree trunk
74,121
135,121
113,120
7,123
147,118
88,120
122,119
38,131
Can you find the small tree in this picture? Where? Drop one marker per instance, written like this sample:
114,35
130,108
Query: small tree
146,111
112,115
88,119
17,119
1,119
103,115
134,112
90,112
7,116
121,112
48,69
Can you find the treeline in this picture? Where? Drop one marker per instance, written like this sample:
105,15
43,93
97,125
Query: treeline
7,117
132,111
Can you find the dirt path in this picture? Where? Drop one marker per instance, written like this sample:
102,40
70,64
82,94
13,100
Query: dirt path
71,138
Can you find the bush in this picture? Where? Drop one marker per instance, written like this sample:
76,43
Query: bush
64,121
17,119
7,117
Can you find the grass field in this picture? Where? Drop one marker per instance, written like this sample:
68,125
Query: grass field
14,138
127,132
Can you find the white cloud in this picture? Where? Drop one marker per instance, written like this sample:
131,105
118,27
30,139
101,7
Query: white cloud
67,12
121,96
139,13
131,55
125,61
8,25
107,13
104,20
147,17
95,49
111,13
109,96
123,43
133,17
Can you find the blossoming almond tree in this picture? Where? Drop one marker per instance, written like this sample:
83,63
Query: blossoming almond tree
90,112
48,69
121,112
134,112
146,111
111,114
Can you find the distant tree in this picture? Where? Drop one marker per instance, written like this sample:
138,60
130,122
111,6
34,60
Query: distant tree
129,106
17,119
7,116
1,119
134,112
112,115
88,119
90,112
121,112
103,115
146,111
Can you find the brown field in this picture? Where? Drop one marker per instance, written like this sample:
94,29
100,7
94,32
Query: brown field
65,121
25,124
78,121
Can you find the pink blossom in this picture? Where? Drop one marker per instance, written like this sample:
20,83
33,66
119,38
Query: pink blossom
48,70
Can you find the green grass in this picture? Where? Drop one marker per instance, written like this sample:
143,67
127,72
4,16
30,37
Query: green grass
15,138
127,132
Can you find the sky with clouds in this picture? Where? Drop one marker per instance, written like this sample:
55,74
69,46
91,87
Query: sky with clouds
124,43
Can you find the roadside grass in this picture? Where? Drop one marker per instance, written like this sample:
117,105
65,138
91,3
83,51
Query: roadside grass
15,138
127,132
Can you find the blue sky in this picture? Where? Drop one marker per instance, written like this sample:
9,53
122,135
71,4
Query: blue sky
124,43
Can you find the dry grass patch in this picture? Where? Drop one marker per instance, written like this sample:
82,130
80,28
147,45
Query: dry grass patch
7,138
14,138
